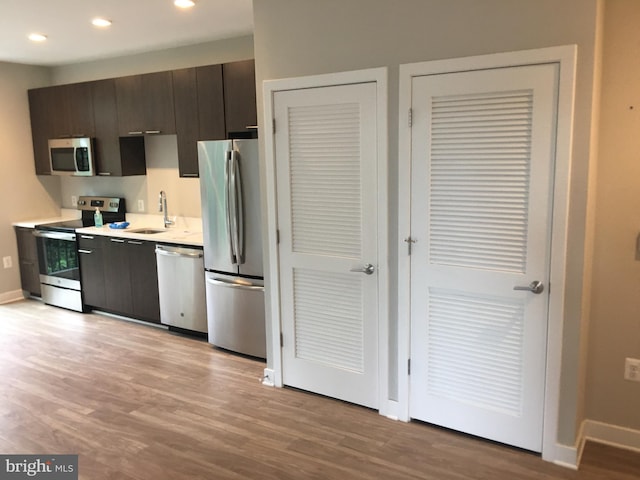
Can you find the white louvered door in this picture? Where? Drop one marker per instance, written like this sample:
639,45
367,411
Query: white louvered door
482,156
326,176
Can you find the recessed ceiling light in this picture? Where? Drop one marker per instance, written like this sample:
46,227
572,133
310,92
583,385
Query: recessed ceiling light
37,37
101,22
184,3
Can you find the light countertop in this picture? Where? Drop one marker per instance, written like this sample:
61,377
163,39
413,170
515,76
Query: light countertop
187,230
38,221
176,235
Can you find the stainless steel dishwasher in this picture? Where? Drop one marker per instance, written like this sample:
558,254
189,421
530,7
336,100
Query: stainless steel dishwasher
181,288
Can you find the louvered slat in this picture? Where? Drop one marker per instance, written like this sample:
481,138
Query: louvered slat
479,180
328,319
324,152
474,350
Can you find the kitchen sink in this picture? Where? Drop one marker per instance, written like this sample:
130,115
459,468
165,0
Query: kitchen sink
147,231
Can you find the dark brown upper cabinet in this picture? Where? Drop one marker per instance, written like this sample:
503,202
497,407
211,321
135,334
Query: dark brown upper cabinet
199,108
59,112
115,155
42,110
145,104
76,110
240,96
199,103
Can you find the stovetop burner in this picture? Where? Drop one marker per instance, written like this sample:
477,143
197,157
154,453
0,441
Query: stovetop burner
65,225
112,208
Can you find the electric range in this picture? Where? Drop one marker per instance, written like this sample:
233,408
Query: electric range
58,251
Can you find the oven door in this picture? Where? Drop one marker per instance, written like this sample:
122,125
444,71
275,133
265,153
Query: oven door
58,259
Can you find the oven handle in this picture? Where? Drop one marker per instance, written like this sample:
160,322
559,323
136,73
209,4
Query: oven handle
55,235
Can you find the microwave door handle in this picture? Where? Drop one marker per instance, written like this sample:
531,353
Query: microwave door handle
76,159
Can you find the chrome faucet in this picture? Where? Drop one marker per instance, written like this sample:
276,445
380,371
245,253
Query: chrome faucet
162,207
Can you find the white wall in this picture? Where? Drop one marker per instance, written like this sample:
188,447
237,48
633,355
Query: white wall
209,53
306,37
23,196
615,308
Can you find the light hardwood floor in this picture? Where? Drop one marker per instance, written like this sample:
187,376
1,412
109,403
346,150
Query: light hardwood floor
136,402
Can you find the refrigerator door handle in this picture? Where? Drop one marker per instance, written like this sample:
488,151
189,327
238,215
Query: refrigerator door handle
228,199
238,208
222,283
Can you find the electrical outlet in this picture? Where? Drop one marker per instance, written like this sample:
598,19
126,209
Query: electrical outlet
141,205
632,369
6,261
74,201
268,377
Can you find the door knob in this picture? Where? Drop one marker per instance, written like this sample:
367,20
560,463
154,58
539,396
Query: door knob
536,287
367,269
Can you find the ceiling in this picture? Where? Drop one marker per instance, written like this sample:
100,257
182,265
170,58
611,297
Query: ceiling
138,26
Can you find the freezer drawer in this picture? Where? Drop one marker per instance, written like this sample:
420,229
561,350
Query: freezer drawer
235,314
181,288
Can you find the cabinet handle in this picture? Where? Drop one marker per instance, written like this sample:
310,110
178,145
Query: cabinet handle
104,174
117,240
133,242
88,237
251,127
80,250
152,132
189,174
136,133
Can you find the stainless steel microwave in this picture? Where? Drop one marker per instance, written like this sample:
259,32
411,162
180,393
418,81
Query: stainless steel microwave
72,156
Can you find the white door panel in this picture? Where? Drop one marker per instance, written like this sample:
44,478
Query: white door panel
482,157
326,176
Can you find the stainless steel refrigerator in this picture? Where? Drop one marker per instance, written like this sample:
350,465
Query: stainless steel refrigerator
234,279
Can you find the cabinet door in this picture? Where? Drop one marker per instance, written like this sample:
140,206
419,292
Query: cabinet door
211,122
239,96
90,254
107,151
129,104
145,104
115,156
144,280
199,110
28,258
78,100
158,103
41,112
185,96
117,280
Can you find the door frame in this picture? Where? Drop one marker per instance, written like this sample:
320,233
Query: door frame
272,280
565,57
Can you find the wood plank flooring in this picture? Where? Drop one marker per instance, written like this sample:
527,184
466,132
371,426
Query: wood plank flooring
137,403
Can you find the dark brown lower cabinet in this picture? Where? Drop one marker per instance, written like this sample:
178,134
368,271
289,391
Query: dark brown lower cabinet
90,253
120,276
28,259
144,280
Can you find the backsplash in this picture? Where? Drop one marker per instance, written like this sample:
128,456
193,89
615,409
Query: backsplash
183,194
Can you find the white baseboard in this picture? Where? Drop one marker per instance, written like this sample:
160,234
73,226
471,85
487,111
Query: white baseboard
613,435
9,297
563,455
